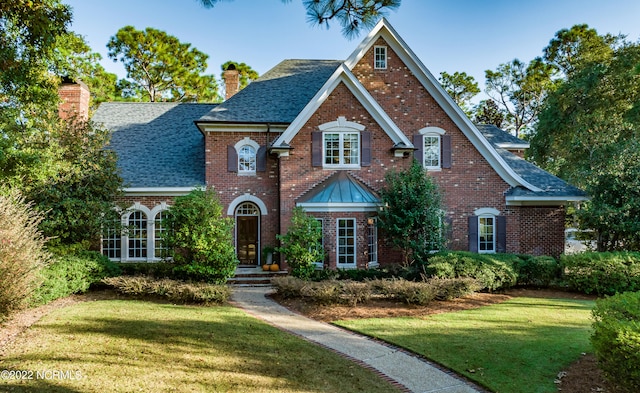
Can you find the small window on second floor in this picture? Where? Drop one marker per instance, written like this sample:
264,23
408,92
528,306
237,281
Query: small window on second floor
380,57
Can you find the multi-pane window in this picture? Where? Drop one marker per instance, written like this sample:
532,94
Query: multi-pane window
372,240
137,231
341,148
431,152
161,250
112,241
346,237
486,234
247,159
380,57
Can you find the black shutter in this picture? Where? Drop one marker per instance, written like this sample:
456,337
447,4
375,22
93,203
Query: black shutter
501,234
365,152
316,148
446,151
232,159
261,159
473,233
418,142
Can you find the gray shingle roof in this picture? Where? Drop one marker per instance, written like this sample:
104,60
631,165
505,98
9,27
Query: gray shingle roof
157,143
498,137
550,185
278,96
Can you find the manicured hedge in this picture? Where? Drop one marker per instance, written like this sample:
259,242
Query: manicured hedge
171,290
602,273
492,271
616,339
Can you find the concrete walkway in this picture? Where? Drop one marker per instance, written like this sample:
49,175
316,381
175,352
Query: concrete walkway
411,372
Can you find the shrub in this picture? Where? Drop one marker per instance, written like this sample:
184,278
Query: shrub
22,253
602,273
616,339
288,287
492,271
201,238
73,273
409,292
301,245
323,292
537,271
453,288
171,290
156,270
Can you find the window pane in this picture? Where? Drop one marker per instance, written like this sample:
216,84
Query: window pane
112,241
432,151
161,250
332,149
485,233
380,55
372,238
137,235
346,241
351,149
247,159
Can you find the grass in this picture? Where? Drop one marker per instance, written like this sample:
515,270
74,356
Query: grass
518,346
127,346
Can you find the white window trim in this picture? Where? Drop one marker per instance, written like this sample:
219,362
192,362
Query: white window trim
151,232
386,57
341,165
355,245
432,132
246,141
341,125
374,225
493,228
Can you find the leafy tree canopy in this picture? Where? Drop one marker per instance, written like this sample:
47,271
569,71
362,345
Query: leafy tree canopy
161,66
520,89
352,15
588,133
461,87
412,219
488,112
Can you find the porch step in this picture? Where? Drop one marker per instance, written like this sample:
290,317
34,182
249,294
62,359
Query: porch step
254,276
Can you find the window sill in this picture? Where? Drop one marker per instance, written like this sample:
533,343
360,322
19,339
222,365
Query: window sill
338,167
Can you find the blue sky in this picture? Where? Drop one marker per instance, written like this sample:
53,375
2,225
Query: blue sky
447,35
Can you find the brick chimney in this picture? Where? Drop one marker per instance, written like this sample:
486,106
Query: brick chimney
74,99
231,78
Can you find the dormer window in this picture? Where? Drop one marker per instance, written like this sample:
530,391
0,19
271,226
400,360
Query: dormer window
380,57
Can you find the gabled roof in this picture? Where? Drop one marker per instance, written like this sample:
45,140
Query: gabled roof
346,77
340,190
403,51
278,96
157,143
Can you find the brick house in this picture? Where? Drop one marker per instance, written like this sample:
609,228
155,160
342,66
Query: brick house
322,134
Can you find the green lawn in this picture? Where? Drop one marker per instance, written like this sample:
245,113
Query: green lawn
518,346
131,346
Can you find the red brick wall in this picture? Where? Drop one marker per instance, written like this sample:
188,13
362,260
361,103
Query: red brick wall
74,99
230,185
541,228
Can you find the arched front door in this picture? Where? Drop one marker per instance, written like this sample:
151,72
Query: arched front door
248,234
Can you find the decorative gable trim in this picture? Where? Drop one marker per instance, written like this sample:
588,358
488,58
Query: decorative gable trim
403,51
345,76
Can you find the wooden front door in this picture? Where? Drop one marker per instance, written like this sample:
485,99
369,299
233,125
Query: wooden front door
248,234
